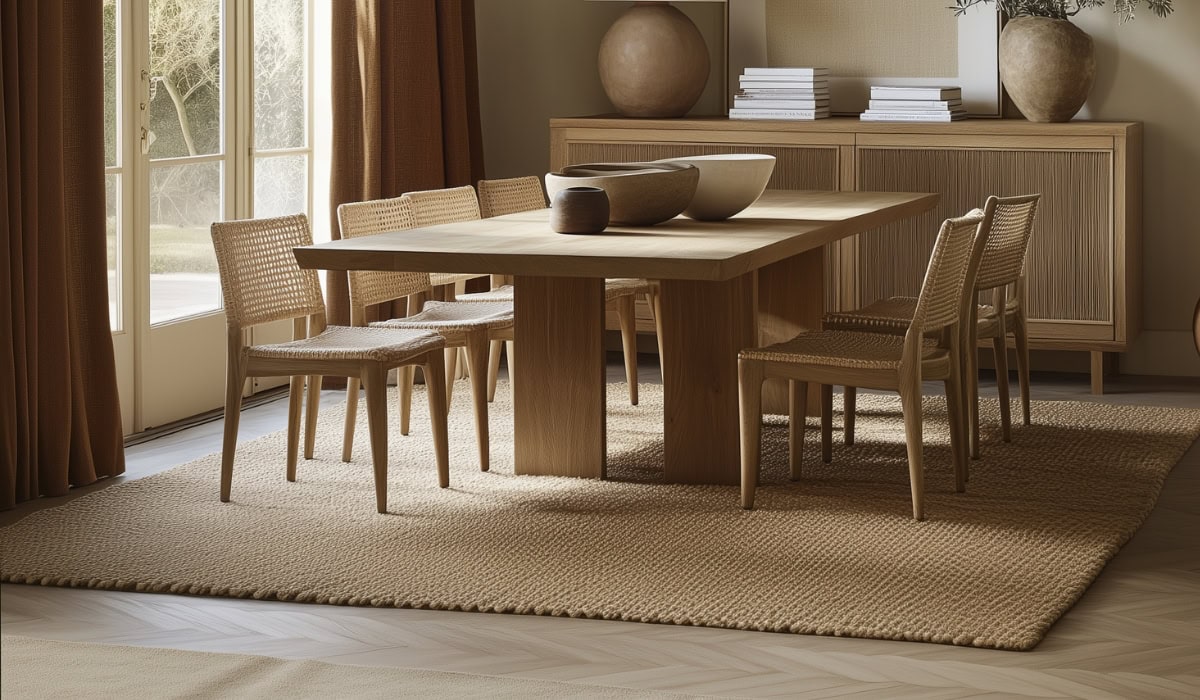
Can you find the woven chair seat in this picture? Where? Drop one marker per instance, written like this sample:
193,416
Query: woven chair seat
438,279
454,317
847,349
350,343
624,286
504,293
893,316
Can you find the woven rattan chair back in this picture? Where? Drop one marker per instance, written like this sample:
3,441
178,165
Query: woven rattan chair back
954,261
359,219
260,278
451,205
511,195
1003,259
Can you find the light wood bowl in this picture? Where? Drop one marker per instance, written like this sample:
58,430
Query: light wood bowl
639,194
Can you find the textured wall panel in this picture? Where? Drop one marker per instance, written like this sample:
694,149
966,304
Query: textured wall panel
796,168
864,38
1070,260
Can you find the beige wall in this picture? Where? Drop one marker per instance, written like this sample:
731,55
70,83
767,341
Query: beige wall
537,60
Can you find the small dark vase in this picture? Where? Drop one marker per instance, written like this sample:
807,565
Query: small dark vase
579,210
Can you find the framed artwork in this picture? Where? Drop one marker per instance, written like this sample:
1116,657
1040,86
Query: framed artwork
869,42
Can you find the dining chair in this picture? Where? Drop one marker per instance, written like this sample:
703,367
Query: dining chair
513,195
469,325
261,282
875,360
1010,222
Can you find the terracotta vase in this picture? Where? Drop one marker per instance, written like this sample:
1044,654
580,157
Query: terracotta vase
653,62
1048,67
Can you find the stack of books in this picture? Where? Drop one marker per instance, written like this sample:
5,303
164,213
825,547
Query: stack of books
914,104
782,93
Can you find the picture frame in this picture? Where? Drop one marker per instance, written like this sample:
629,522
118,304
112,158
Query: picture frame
977,61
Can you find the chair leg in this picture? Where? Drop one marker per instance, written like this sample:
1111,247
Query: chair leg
827,423
351,417
510,354
451,364
493,368
910,399
312,404
1021,331
954,409
295,399
653,298
235,381
374,379
477,361
406,376
626,315
750,380
1000,349
435,383
971,385
849,404
797,415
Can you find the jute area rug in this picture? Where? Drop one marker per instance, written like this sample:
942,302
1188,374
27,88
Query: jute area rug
39,668
836,553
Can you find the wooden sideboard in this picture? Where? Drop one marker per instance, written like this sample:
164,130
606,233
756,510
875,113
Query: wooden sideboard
1084,265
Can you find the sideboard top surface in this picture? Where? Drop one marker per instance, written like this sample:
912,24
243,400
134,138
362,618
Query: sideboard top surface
1015,127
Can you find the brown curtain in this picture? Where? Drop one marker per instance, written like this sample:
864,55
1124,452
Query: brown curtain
60,421
405,106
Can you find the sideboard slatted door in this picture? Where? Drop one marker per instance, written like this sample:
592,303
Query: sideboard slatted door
1070,264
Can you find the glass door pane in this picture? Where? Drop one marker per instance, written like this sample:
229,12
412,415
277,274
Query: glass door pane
187,166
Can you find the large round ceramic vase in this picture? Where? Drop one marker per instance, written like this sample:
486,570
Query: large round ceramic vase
1047,66
653,62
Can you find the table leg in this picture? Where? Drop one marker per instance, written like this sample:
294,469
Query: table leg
558,387
704,325
791,300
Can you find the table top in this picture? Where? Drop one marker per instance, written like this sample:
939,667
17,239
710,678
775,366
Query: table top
781,224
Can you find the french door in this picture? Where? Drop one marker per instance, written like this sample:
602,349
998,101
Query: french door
208,116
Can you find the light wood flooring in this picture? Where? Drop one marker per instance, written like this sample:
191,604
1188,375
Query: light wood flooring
1134,634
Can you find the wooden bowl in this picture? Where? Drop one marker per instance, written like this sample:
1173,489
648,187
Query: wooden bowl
639,194
729,183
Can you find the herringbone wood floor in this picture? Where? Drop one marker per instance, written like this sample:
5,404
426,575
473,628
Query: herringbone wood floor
1135,634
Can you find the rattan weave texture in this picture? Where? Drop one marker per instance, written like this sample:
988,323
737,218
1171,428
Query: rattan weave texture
359,219
260,278
510,196
354,343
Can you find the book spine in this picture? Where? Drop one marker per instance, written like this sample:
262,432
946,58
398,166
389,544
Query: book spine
914,94
915,112
915,104
787,71
754,103
893,117
742,113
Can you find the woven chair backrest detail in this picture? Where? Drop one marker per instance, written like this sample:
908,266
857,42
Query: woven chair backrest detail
510,196
1003,259
448,206
359,219
944,290
260,278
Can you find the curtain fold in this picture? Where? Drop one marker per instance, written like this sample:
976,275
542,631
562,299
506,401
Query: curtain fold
60,418
405,107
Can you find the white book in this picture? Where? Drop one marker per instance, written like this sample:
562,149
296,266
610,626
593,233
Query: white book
907,117
769,79
787,71
777,93
794,114
758,103
917,112
914,92
794,87
915,104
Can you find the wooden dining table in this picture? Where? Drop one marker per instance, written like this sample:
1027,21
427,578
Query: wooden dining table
754,279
